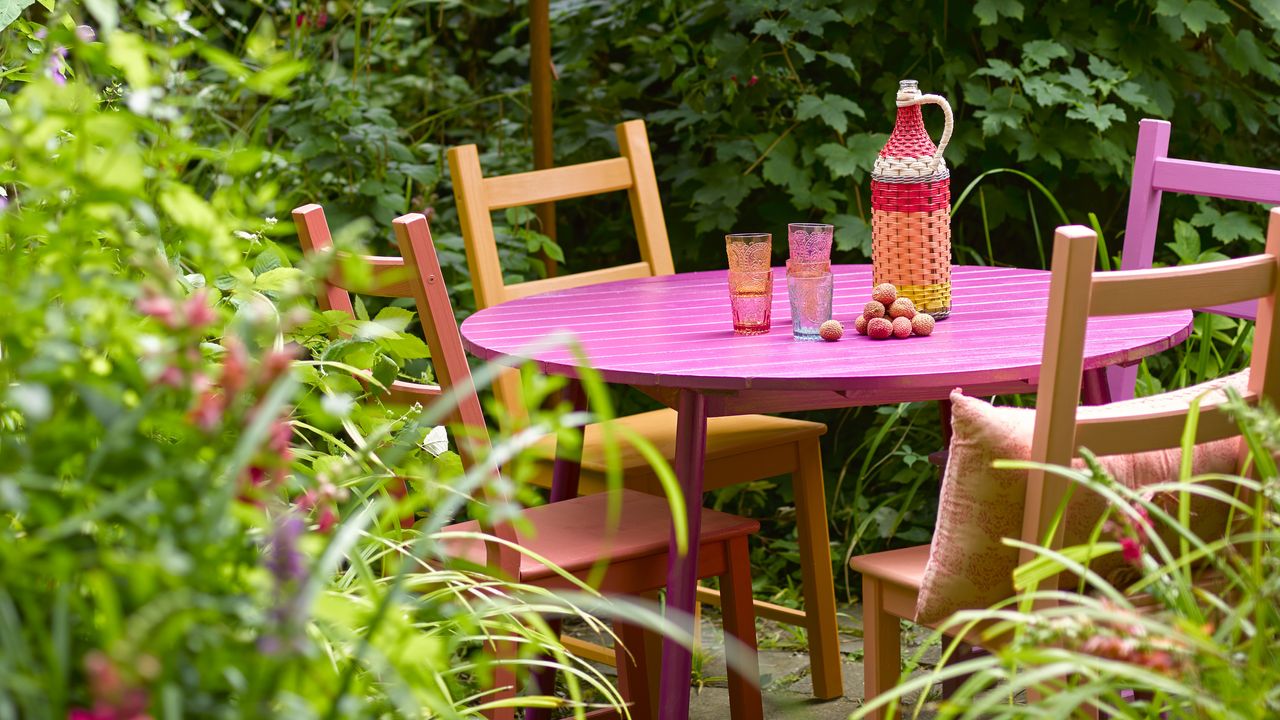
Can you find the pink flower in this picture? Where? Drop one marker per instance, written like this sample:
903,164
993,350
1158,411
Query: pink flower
197,310
327,519
156,306
321,20
207,414
281,437
753,81
301,20
172,376
235,365
1131,550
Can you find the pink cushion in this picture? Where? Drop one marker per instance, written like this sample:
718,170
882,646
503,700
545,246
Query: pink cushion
969,567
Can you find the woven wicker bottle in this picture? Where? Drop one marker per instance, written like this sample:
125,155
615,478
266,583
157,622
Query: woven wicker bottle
911,207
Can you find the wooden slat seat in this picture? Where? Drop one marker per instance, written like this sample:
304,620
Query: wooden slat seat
576,534
766,439
903,566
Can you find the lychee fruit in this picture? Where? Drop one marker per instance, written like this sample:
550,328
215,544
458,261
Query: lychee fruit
831,330
902,307
901,327
873,309
922,324
879,328
860,325
884,293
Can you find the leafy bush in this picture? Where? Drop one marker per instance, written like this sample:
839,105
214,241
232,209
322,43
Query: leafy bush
198,517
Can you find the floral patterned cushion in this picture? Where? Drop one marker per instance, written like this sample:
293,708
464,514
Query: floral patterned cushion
969,567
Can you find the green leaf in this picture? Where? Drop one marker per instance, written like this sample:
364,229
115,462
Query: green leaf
279,279
1199,14
10,10
1237,225
395,319
1100,116
833,109
1040,53
852,233
855,157
1000,69
1044,92
406,346
989,11
1186,242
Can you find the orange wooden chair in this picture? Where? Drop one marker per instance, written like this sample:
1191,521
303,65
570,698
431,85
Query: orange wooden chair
573,535
892,580
739,449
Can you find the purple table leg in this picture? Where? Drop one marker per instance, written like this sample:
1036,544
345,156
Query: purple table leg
564,486
1095,389
568,465
682,571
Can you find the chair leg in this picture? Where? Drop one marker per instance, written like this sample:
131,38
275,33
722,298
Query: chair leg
881,645
745,701
504,679
815,567
634,662
542,681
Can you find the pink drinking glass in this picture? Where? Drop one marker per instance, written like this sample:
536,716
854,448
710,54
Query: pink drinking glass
810,242
751,298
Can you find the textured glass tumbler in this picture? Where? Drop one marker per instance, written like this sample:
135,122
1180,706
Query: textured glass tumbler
749,252
810,294
809,242
751,298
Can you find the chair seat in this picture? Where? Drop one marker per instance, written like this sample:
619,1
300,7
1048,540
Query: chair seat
726,437
575,534
904,566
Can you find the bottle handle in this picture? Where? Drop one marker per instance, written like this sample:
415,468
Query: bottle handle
948,123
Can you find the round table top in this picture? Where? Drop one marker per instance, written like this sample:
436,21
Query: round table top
676,331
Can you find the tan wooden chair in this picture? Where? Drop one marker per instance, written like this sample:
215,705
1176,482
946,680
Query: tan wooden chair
892,579
739,449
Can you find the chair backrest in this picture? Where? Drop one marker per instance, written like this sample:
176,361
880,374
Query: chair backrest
478,197
1076,293
415,274
1155,173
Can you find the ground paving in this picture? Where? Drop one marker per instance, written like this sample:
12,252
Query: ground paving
784,671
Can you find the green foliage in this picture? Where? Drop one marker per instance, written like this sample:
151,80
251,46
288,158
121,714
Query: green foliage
198,517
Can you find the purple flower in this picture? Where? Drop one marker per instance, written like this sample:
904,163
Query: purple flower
284,560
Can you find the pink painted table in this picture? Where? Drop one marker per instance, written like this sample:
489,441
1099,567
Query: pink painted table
672,338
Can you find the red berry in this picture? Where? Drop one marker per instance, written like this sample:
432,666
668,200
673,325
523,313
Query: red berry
879,328
901,327
873,309
884,293
922,324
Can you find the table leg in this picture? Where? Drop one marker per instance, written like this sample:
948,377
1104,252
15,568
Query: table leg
568,465
1094,387
682,571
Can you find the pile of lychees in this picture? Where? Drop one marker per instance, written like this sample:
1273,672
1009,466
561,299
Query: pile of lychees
888,315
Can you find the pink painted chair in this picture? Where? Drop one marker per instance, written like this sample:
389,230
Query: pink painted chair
1155,173
574,535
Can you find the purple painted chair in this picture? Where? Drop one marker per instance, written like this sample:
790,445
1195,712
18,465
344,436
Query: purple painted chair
1155,173
575,536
